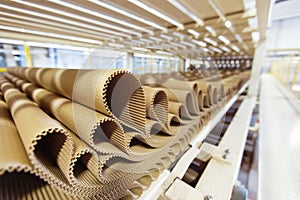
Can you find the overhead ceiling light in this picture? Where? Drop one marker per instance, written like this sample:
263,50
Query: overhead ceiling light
178,45
157,13
224,48
60,12
37,22
98,14
164,52
183,9
180,35
139,49
217,10
130,42
137,41
194,33
84,25
205,49
216,50
65,37
116,45
228,24
146,40
224,39
210,41
235,48
188,44
211,30
166,37
9,41
200,43
155,39
238,37
123,12
168,46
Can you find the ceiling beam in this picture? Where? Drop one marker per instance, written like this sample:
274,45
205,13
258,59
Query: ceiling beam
263,14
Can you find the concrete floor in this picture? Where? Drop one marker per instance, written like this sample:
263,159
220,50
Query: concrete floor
279,144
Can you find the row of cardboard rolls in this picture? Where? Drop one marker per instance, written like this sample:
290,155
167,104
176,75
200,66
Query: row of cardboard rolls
100,134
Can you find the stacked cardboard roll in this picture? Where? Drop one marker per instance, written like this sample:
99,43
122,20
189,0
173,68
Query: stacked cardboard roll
102,134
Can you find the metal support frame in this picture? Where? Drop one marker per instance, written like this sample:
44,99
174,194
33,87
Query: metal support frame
218,174
27,54
256,68
165,182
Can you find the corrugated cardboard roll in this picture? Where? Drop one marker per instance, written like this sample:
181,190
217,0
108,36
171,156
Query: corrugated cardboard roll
12,151
66,188
45,133
89,130
157,104
21,185
101,90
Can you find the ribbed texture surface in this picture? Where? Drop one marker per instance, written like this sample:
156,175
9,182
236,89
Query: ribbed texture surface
99,134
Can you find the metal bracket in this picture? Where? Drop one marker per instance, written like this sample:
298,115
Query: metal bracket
208,151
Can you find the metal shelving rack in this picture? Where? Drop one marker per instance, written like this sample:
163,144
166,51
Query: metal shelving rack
168,184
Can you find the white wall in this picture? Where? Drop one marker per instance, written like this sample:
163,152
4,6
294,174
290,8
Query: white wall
284,33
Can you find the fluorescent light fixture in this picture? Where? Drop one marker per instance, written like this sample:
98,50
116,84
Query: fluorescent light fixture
168,46
178,45
210,41
60,12
154,47
238,38
216,50
194,33
146,40
116,45
164,53
98,14
200,43
9,41
228,24
127,14
166,37
205,49
139,49
65,37
50,17
130,43
188,44
157,13
296,88
235,48
183,9
217,10
37,22
224,39
210,30
224,48
180,35
156,39
137,41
